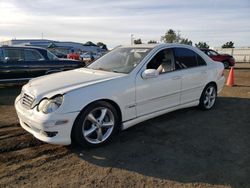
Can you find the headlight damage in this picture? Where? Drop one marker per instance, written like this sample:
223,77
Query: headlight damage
50,105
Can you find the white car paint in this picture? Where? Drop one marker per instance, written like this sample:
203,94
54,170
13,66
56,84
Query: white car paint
138,99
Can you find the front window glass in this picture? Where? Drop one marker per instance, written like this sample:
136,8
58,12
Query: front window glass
163,61
51,56
14,54
121,60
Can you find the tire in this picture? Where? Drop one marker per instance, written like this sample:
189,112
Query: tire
95,125
208,97
226,64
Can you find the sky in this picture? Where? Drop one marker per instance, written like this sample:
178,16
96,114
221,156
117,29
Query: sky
113,21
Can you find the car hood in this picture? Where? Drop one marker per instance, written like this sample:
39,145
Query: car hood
63,82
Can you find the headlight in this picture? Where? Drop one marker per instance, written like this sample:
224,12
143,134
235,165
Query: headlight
50,105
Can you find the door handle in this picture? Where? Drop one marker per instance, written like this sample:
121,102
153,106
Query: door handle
176,78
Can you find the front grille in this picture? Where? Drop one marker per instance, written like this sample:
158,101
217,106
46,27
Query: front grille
27,100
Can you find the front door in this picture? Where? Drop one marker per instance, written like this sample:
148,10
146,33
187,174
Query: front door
161,92
12,65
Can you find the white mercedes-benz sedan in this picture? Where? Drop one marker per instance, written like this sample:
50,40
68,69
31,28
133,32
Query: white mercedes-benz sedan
126,86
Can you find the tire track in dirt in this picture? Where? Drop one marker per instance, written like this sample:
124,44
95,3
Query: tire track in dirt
19,160
13,137
11,131
17,143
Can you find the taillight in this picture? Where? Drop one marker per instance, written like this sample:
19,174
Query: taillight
222,72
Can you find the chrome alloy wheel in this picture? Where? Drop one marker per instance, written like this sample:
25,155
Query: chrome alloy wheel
98,125
209,99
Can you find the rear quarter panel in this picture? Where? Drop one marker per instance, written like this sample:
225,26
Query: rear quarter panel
216,74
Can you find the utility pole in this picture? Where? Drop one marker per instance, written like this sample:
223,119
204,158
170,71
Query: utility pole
42,36
132,39
178,36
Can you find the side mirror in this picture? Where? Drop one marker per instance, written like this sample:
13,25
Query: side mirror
150,73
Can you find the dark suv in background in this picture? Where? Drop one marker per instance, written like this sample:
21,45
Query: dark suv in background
226,59
19,64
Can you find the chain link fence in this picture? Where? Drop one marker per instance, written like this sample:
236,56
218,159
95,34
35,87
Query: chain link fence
241,55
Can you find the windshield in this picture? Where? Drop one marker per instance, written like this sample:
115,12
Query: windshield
212,53
121,60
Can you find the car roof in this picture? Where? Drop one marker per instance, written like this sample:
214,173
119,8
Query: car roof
155,45
24,47
205,49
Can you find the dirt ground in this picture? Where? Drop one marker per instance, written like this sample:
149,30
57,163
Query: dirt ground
186,148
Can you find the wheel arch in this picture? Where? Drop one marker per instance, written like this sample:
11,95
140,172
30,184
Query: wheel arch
212,83
113,103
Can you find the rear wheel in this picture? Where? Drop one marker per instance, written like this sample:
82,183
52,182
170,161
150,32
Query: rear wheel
95,125
208,97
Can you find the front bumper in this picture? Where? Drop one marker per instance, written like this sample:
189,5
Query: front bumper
39,124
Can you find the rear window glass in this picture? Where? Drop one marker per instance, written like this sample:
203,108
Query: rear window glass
32,55
200,60
185,58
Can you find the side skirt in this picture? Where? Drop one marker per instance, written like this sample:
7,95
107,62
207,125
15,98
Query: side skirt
137,120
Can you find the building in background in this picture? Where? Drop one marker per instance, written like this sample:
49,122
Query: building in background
57,47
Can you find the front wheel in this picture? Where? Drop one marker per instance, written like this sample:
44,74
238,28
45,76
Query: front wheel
208,97
95,125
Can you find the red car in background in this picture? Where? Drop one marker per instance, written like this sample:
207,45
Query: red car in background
226,59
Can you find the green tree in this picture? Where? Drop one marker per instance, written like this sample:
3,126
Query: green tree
202,45
186,41
137,41
89,43
229,44
152,42
102,45
170,36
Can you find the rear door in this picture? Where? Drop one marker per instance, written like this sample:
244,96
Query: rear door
12,65
194,74
36,62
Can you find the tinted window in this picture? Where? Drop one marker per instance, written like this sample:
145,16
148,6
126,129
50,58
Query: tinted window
211,53
185,58
32,55
14,54
200,60
51,56
163,61
1,55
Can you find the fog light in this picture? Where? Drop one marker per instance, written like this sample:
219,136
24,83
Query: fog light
49,134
